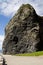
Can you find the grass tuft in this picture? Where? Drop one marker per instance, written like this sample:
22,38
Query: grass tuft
31,54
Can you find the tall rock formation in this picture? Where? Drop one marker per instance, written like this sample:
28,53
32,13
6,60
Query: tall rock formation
22,33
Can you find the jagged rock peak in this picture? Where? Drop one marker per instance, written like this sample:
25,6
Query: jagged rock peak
22,32
23,12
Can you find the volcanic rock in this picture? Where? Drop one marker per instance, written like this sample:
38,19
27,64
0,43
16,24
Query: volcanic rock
23,34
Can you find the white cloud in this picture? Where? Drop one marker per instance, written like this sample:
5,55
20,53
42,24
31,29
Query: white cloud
0,45
8,7
3,5
1,40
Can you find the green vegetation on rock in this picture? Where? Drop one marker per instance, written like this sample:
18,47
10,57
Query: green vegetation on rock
40,53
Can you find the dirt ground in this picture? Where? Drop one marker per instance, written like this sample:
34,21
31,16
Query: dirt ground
23,60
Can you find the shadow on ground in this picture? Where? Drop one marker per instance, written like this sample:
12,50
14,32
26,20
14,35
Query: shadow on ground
4,62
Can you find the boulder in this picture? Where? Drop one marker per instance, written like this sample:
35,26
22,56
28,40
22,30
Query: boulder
22,33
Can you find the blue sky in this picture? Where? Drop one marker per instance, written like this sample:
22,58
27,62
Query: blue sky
9,7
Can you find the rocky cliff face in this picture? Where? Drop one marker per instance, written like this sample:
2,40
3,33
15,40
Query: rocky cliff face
22,34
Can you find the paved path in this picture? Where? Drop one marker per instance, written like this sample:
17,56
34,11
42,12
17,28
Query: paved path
23,60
